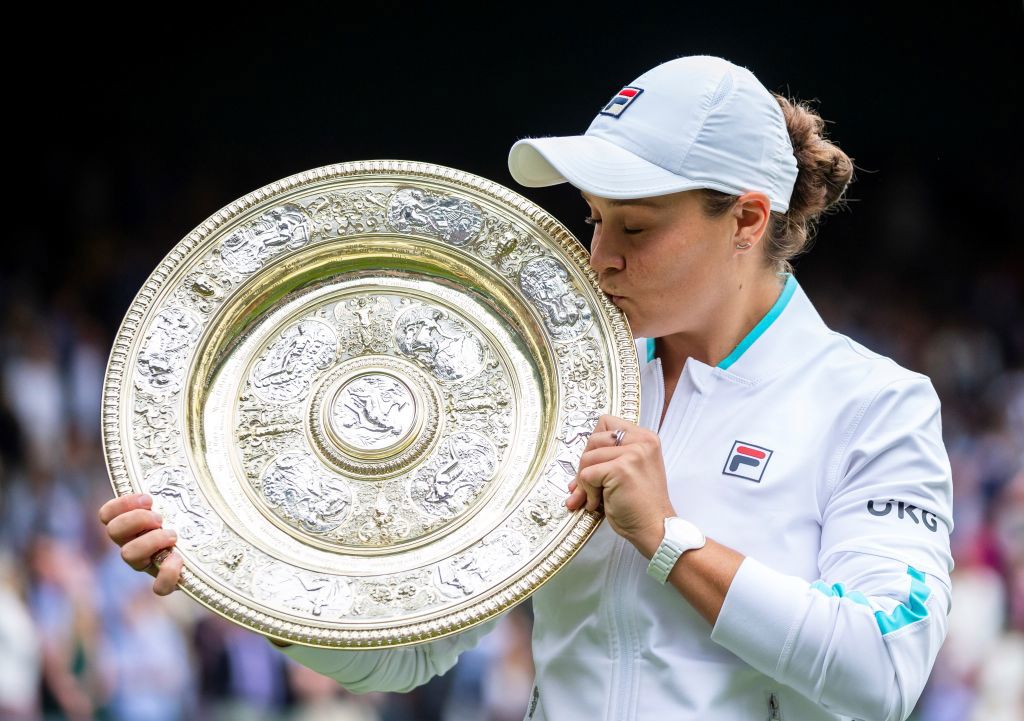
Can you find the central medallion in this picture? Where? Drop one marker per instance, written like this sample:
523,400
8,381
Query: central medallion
374,416
372,413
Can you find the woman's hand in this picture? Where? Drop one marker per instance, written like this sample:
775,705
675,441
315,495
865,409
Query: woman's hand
138,530
627,479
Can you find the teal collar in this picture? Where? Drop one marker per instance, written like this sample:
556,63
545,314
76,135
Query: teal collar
776,310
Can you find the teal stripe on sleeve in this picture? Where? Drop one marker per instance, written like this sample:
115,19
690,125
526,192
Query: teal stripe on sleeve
837,590
912,611
763,325
650,349
903,615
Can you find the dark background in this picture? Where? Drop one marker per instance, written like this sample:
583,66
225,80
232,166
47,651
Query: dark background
137,135
126,132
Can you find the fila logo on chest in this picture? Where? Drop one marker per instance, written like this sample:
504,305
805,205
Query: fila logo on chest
747,461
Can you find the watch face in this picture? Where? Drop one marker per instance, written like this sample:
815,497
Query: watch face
683,532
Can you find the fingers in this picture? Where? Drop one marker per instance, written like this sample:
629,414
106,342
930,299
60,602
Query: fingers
577,496
583,494
594,479
129,525
132,524
591,492
604,432
577,499
137,553
598,455
116,506
168,576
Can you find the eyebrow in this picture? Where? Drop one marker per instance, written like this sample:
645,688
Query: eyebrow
649,202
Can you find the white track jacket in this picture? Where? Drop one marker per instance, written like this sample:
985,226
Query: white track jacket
823,463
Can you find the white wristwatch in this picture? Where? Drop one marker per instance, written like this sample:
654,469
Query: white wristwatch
680,536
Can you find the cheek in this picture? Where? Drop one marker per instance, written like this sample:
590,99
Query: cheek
686,271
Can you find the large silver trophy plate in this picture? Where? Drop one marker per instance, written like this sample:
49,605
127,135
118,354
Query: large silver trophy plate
358,395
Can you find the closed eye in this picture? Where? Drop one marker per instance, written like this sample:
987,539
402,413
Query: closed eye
591,220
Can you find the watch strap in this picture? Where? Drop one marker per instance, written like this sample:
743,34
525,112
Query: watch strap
664,559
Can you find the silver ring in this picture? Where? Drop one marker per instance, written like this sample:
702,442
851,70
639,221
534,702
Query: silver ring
619,435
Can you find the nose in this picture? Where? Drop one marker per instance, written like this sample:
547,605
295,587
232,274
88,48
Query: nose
605,253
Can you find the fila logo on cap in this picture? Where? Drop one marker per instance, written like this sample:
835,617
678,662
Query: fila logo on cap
747,461
617,105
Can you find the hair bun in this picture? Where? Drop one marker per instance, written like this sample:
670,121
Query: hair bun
823,170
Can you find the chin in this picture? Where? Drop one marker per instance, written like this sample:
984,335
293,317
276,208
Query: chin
637,327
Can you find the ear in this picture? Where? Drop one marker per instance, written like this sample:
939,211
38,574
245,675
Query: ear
751,211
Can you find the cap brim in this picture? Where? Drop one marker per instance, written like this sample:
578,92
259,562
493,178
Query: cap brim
593,165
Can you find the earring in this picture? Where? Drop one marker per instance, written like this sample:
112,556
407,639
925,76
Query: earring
742,246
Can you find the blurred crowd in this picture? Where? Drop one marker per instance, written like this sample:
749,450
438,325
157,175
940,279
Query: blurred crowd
83,637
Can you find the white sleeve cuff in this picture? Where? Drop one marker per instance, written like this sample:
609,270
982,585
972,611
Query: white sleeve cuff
756,620
334,662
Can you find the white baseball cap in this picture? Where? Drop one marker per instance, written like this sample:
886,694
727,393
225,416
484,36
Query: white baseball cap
692,122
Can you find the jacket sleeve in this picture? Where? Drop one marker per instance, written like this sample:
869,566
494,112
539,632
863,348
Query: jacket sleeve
861,640
393,669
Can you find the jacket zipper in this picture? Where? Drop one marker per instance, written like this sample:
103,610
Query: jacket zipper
774,712
624,708
622,686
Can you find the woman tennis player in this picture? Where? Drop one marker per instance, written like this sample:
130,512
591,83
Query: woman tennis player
777,544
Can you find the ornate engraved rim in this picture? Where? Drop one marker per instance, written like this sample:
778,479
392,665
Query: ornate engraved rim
530,578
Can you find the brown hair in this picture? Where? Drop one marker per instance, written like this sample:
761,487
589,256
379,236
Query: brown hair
823,172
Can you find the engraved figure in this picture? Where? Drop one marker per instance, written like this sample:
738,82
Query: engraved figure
304,495
577,427
441,343
506,245
317,594
373,411
454,220
365,324
469,462
229,559
465,574
407,591
484,404
262,429
582,366
336,214
546,282
285,372
204,286
461,575
539,515
185,512
383,526
283,227
154,433
161,362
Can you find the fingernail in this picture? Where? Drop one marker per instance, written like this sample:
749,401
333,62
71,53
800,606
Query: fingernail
159,518
145,499
172,535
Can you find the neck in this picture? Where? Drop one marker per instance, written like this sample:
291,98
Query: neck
722,329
